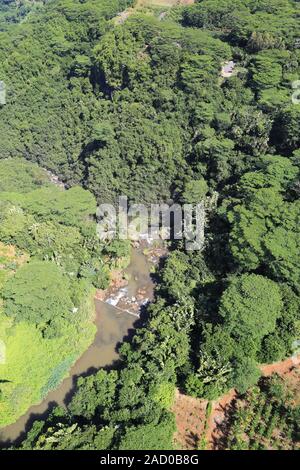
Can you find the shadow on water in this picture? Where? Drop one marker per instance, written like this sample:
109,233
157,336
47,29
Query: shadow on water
113,328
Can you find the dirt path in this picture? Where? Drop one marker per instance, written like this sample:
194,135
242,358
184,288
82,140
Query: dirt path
190,421
280,368
190,412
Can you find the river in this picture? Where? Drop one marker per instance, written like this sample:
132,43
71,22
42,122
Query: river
113,326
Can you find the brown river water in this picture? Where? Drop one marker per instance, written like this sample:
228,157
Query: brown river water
113,326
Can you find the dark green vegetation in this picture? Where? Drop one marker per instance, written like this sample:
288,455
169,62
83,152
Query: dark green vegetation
141,109
15,12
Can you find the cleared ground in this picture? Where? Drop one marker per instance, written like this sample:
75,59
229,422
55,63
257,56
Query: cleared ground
140,4
190,412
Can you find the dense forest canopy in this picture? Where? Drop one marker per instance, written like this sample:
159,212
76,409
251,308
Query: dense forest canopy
142,109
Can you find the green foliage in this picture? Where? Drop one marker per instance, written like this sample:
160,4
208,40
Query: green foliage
248,321
141,108
278,344
266,73
94,395
195,191
164,394
246,374
182,272
12,12
37,294
263,40
35,364
46,309
150,437
65,436
286,132
245,308
21,176
210,379
263,24
265,228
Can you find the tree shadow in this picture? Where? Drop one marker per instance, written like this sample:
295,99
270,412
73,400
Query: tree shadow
33,417
193,440
220,442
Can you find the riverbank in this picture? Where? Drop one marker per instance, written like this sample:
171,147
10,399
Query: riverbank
115,323
131,291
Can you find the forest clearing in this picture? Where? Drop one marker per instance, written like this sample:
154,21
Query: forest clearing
141,5
195,428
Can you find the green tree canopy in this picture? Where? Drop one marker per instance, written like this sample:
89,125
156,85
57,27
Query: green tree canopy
245,308
37,293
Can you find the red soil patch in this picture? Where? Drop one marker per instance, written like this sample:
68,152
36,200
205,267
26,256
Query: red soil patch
280,368
190,412
292,380
190,421
289,370
219,410
9,253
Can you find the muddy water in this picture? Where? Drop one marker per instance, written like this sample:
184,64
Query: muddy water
113,326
